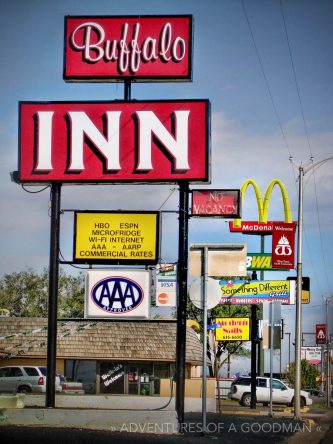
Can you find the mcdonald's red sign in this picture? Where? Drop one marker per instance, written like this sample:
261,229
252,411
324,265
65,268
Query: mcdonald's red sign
262,226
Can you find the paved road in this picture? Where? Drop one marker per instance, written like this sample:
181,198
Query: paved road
226,429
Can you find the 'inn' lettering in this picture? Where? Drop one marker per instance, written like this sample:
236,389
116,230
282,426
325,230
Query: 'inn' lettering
81,127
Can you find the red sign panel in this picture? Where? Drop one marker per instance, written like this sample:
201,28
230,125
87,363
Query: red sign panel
138,48
166,141
217,203
283,245
252,227
320,334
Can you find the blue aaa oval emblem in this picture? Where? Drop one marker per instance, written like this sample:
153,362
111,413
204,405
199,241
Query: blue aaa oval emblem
117,294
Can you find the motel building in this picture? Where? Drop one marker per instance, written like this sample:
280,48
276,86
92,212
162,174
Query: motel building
130,363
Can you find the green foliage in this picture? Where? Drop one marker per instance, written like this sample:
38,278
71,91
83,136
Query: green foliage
25,293
309,375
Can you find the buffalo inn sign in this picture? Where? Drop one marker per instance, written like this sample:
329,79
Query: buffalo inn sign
88,142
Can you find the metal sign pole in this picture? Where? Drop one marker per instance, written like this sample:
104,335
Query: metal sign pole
271,344
298,326
204,368
53,295
127,90
328,357
254,334
182,272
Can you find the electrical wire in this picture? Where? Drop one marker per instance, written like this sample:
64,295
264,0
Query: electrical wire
72,265
172,191
269,89
265,78
308,143
295,79
325,266
34,192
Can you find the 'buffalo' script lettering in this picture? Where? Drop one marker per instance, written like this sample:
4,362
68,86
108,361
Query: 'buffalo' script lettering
128,54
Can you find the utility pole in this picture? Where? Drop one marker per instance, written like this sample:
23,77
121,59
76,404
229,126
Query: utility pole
298,327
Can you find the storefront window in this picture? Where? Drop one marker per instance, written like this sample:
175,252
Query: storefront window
161,371
118,377
82,371
112,377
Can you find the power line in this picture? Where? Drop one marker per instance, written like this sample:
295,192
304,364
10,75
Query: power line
295,79
269,91
308,142
320,234
265,78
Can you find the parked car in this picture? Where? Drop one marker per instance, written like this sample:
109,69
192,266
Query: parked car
71,387
315,392
240,390
25,379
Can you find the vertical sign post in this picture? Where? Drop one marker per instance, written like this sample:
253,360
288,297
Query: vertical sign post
298,325
271,342
204,367
53,295
182,273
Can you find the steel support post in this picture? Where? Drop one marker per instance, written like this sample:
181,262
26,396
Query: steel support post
254,334
328,357
182,272
298,328
53,295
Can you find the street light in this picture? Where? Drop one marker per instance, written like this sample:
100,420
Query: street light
298,329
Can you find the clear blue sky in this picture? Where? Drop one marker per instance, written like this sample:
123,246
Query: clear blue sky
266,67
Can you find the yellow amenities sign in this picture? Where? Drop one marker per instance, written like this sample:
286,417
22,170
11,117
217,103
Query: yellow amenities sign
233,329
116,237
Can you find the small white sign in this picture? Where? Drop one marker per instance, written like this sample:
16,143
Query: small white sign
166,286
117,294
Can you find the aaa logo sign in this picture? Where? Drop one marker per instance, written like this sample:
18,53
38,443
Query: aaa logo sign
117,294
233,329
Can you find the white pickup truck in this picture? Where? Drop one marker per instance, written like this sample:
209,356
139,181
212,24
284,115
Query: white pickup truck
240,390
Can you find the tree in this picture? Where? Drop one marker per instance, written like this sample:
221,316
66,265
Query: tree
309,375
25,293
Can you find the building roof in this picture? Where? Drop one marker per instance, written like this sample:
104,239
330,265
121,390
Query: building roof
86,339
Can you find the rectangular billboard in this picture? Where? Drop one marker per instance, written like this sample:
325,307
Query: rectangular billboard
232,329
116,237
117,294
223,260
134,48
114,142
256,292
311,354
216,203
